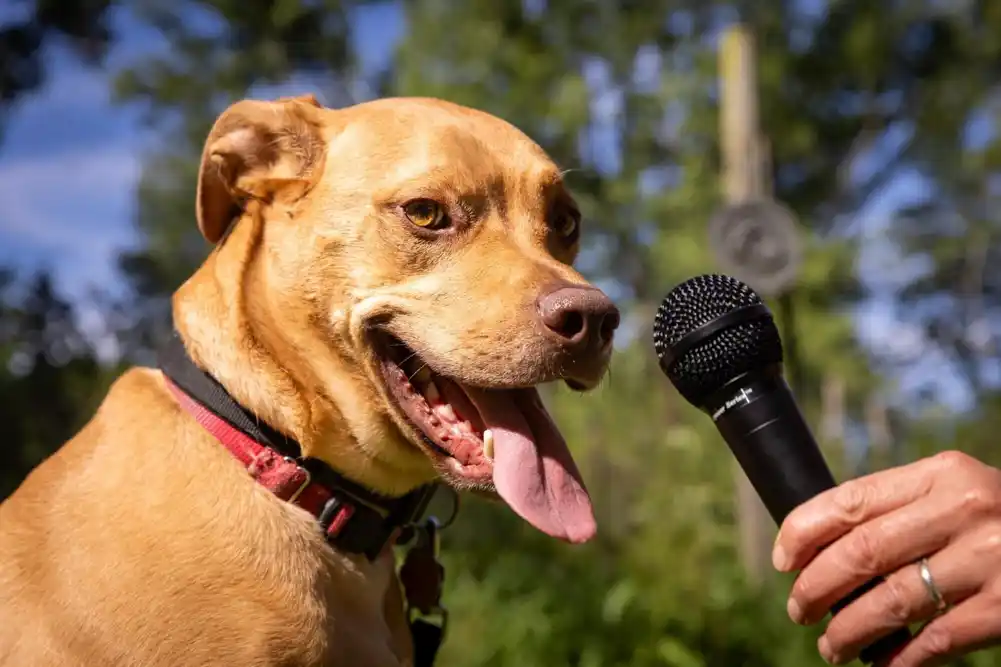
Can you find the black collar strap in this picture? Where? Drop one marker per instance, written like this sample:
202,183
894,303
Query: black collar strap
375,518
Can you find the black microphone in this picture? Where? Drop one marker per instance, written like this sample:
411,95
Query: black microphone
718,344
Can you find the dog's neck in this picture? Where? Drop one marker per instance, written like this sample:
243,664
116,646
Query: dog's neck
222,316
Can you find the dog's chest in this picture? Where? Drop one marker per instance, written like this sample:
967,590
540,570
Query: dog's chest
292,616
278,597
328,610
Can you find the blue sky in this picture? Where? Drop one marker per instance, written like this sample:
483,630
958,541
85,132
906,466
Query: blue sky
70,161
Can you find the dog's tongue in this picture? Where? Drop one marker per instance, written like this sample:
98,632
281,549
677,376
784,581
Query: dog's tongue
533,469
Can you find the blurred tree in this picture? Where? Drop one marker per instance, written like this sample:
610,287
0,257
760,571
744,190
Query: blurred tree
949,236
50,378
28,25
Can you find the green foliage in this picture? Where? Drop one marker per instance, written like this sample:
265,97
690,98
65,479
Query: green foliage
50,379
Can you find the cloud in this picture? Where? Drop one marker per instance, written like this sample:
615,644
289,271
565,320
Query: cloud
69,165
75,201
70,212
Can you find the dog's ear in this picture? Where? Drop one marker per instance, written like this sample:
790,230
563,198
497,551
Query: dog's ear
254,149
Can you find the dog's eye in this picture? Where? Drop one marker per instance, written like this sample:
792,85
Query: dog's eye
566,224
426,213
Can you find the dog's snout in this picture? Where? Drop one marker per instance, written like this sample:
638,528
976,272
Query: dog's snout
582,317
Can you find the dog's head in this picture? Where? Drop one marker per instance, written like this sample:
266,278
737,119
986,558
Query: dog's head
410,268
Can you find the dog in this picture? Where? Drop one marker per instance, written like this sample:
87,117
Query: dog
389,284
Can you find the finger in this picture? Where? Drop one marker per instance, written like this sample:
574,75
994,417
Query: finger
826,517
882,545
959,571
970,626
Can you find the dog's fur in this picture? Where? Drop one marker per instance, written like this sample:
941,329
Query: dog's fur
141,542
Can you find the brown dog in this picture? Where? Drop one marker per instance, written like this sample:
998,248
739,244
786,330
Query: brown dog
390,283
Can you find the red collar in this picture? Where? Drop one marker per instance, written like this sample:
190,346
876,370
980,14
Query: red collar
281,475
353,518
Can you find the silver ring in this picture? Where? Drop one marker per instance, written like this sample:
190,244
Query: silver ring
933,592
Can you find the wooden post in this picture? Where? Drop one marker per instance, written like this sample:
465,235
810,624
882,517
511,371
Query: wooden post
744,156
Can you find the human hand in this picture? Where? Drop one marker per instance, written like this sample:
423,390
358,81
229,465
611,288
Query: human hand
946,509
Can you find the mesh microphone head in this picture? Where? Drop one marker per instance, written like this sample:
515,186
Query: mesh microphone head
747,345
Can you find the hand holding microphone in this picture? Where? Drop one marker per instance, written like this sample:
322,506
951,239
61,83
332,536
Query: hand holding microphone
932,529
718,344
918,543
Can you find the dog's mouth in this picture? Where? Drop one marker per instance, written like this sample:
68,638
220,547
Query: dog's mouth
490,438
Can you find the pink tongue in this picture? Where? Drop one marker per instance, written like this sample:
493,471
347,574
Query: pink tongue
533,469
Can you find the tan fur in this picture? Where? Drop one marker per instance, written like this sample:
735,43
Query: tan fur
142,542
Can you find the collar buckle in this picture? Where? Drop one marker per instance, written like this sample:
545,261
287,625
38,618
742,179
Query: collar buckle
306,481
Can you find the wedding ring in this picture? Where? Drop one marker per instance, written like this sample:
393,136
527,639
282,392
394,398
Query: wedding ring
929,581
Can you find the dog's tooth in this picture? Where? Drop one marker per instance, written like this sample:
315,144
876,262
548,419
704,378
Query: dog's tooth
446,412
488,444
431,392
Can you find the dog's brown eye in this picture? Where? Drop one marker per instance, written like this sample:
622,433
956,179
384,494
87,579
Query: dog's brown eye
566,224
426,213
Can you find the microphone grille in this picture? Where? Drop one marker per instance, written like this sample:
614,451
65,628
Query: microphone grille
747,345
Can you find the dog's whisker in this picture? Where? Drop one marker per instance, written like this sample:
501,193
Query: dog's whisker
409,357
417,372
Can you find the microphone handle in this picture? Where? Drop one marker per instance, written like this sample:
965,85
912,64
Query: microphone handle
761,422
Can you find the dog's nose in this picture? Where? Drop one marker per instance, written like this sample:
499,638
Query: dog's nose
582,317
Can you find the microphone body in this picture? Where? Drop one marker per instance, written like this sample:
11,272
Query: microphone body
718,344
759,419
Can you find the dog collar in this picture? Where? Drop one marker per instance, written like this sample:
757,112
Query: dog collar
353,518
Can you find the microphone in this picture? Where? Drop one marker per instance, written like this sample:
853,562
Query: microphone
718,344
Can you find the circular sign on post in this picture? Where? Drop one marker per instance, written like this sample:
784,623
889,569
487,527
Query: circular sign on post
758,242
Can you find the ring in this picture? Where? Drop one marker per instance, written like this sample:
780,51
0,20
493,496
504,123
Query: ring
933,592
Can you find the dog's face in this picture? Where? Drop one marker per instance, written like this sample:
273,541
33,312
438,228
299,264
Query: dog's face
417,259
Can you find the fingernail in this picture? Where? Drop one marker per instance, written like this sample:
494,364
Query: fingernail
824,646
794,610
780,559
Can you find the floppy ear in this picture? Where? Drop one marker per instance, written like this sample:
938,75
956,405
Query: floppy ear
254,149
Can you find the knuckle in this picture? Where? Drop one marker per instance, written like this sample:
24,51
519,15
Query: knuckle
862,551
955,460
990,544
897,601
980,499
852,499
